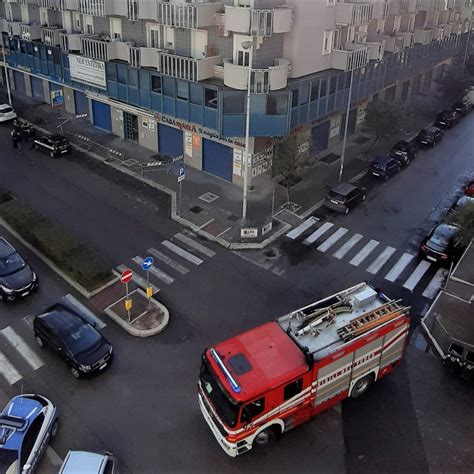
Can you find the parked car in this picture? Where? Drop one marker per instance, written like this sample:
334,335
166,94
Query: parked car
462,108
463,200
54,145
383,167
447,119
6,113
77,462
404,151
344,197
469,189
441,244
17,279
27,424
430,136
74,339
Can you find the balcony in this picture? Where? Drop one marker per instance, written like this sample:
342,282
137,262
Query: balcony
3,25
13,28
189,69
264,80
70,42
30,32
393,44
354,14
50,35
352,57
194,16
92,7
403,7
51,4
375,50
69,5
433,5
408,39
258,22
423,35
94,47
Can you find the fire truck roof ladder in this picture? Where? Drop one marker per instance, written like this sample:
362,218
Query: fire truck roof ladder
372,319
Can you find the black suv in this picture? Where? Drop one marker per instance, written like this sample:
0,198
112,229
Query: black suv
430,136
345,196
54,145
447,119
384,167
17,279
404,151
441,244
73,338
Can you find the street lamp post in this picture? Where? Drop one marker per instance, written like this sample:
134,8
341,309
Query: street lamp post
247,45
7,78
346,124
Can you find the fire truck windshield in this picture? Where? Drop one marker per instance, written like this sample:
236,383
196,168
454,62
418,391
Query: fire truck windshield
227,410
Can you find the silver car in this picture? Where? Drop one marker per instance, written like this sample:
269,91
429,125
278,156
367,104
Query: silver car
83,462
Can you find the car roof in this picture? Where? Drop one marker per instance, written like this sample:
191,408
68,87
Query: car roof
82,461
57,137
61,319
343,188
6,248
448,230
382,159
430,129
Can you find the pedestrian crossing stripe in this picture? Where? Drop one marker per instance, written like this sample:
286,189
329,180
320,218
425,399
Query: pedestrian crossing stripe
7,369
399,267
195,245
435,284
155,271
317,233
417,275
169,261
182,253
23,349
328,243
364,253
347,247
381,260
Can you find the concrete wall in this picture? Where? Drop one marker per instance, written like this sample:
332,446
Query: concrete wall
147,133
117,121
46,93
28,90
193,144
69,103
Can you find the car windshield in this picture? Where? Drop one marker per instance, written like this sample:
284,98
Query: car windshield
441,236
8,460
401,147
336,196
378,165
426,133
11,264
226,409
82,338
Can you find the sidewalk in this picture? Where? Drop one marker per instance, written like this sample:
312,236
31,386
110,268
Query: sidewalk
218,220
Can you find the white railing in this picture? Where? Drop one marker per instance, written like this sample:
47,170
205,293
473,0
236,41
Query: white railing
94,48
353,56
51,4
92,7
190,15
30,32
50,35
354,13
70,42
189,69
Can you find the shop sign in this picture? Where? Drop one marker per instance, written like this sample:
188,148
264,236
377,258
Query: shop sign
249,232
188,144
88,71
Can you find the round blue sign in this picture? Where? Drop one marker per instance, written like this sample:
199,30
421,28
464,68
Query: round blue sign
148,263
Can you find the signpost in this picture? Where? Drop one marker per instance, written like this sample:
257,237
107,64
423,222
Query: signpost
126,276
146,265
181,176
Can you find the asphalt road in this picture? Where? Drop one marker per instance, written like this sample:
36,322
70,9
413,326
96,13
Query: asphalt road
144,407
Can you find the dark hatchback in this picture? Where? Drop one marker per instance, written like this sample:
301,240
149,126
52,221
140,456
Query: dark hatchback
74,339
54,145
404,151
344,197
430,136
441,244
447,119
384,167
17,279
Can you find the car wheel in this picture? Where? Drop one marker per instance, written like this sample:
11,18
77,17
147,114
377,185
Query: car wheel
39,341
75,373
346,210
266,437
55,429
51,154
361,386
364,197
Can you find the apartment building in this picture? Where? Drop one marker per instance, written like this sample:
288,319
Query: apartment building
172,75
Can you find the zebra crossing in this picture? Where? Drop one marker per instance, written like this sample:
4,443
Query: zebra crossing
371,255
174,258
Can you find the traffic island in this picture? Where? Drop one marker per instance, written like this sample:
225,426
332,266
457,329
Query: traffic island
146,317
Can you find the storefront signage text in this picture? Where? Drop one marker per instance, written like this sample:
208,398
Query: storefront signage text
88,71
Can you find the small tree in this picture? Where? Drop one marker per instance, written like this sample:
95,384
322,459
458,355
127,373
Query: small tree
464,218
455,83
284,163
383,118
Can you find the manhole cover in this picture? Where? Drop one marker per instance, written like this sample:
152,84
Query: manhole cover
233,218
290,181
361,140
196,209
130,162
331,158
209,197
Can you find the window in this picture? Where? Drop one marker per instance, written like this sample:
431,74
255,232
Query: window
156,84
31,437
121,75
76,21
324,88
88,25
456,349
327,41
153,35
234,103
470,357
292,389
182,91
210,98
243,58
332,85
133,77
116,28
314,91
294,97
252,409
277,104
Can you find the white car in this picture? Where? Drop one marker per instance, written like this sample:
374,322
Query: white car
83,462
6,113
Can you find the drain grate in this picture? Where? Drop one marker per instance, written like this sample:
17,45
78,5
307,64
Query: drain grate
209,197
196,209
361,140
331,158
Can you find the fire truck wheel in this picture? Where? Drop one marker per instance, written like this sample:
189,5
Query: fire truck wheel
361,386
266,437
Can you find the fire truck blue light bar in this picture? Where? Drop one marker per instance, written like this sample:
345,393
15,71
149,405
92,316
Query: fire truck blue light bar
233,383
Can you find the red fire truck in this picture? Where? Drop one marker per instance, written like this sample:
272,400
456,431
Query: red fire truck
256,386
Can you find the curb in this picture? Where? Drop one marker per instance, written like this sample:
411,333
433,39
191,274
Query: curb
141,332
87,294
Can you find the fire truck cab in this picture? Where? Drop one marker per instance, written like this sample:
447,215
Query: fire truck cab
255,386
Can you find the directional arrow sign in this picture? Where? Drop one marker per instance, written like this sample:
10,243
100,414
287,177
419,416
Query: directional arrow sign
126,276
147,263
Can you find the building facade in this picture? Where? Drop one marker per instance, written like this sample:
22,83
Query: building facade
172,75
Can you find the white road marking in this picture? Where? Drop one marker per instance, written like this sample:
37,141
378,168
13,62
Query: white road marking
84,311
28,320
435,283
417,275
364,253
169,261
328,243
8,371
303,227
22,348
398,268
155,271
344,250
182,253
381,260
140,281
195,245
317,233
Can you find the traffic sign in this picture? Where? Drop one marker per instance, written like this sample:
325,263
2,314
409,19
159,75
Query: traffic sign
126,276
148,263
181,173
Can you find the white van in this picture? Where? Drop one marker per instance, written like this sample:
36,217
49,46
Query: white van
83,462
6,113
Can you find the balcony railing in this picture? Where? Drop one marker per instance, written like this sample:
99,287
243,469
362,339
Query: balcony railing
13,28
354,14
50,35
375,50
195,15
94,47
189,69
393,44
352,57
92,7
423,35
30,32
263,80
51,4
